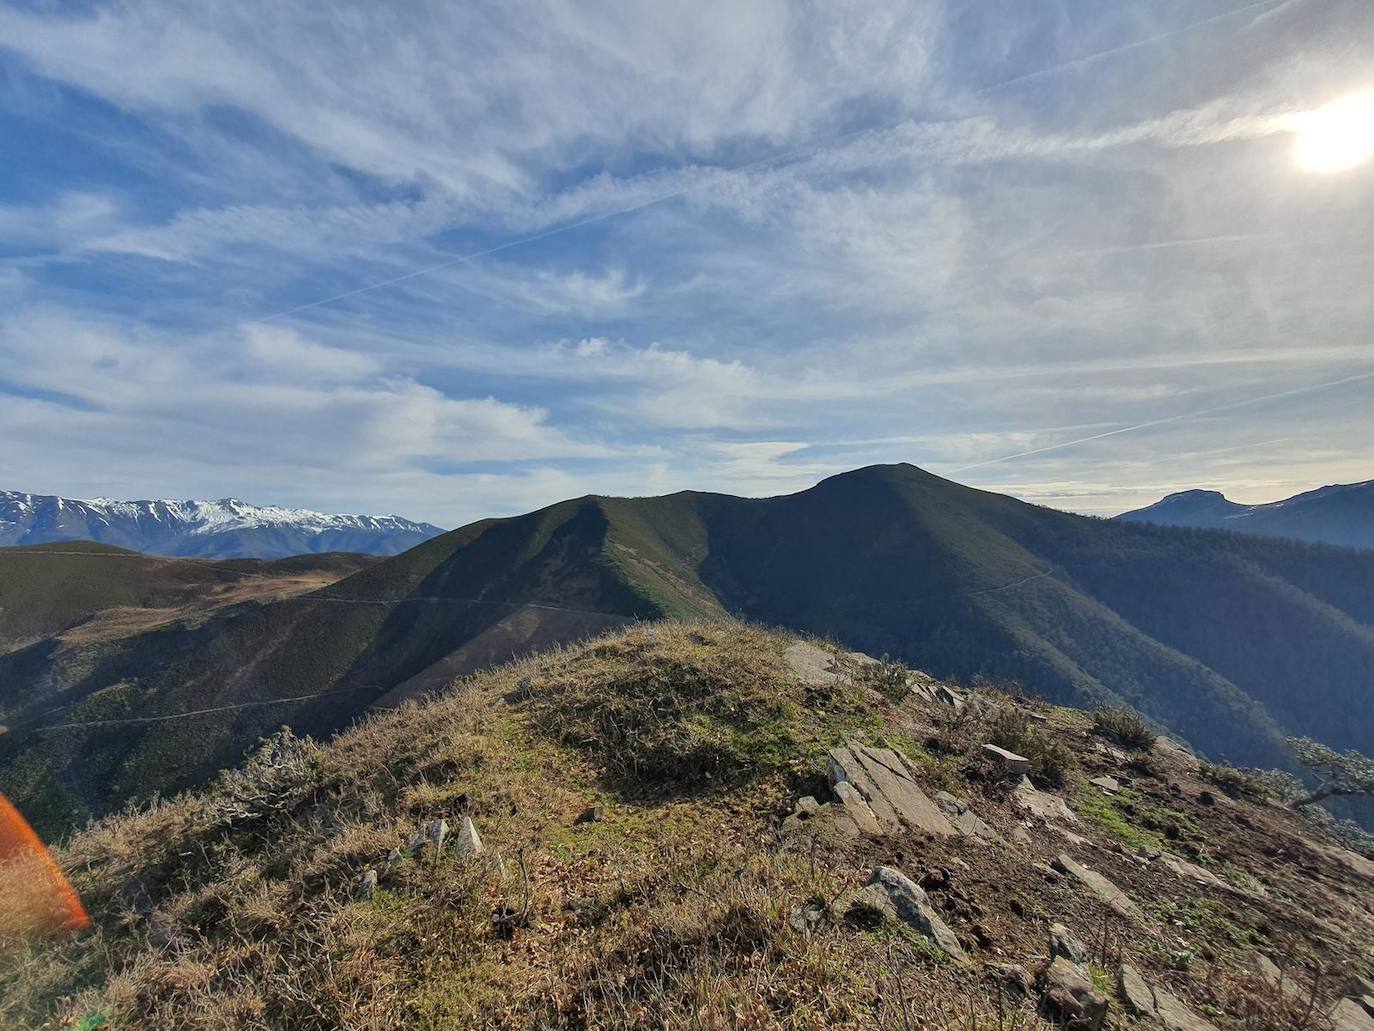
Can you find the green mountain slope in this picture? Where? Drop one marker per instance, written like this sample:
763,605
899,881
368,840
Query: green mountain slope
1232,641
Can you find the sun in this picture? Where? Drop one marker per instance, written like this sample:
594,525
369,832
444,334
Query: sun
1338,135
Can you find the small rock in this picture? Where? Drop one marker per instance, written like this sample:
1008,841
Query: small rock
1070,998
437,833
854,806
944,694
467,842
1049,807
393,860
966,820
592,814
1011,976
1016,765
1020,836
805,918
1063,943
1108,784
907,902
807,804
369,886
1100,886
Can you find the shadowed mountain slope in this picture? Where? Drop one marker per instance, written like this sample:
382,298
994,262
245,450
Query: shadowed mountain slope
1231,641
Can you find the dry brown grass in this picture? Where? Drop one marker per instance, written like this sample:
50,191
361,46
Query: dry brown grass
239,907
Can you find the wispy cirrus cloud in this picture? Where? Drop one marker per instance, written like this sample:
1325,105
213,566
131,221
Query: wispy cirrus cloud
481,257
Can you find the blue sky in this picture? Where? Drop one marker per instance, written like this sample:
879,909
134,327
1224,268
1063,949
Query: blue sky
459,260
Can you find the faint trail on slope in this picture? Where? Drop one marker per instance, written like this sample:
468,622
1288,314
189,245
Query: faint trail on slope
1014,583
197,712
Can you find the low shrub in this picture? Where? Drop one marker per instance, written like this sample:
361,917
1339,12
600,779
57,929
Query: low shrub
1124,726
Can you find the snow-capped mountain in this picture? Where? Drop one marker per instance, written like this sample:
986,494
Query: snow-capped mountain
227,528
1337,514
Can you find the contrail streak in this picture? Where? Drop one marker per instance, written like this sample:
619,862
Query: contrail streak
1199,413
803,150
1079,62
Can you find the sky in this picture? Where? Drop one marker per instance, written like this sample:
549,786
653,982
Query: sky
461,260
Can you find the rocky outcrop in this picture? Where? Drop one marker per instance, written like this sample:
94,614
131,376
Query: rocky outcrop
966,821
1069,997
1016,765
1034,802
1157,1004
884,781
893,893
1119,902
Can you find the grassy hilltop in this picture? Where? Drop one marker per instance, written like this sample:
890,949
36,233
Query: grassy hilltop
690,899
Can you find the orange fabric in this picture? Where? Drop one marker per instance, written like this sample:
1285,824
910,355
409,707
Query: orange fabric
35,897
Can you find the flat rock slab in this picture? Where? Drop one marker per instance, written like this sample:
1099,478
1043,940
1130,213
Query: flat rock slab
1349,1015
965,820
1100,886
1108,784
1017,764
811,664
1158,1004
1198,874
902,898
1049,807
884,781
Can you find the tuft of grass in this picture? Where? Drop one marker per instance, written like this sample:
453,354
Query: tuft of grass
1125,727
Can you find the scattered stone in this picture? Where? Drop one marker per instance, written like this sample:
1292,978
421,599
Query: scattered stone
966,820
466,842
807,804
886,785
944,694
1016,765
1047,872
1037,717
595,814
369,886
1119,902
437,833
1192,872
393,860
1156,1003
417,842
892,892
1020,836
804,919
1011,976
1070,998
1108,784
854,806
1063,943
1049,807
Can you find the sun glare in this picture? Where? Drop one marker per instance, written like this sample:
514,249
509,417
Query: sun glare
1338,135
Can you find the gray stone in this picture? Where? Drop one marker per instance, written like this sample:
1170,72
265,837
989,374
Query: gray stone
1192,872
1157,1004
944,694
1020,837
811,664
854,806
807,804
393,860
1119,902
965,820
1349,1015
1049,807
1070,998
1016,765
1063,943
369,886
466,841
1011,976
908,903
436,834
594,814
1108,784
885,783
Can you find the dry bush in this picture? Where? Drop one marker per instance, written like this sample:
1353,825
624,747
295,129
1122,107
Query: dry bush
1125,727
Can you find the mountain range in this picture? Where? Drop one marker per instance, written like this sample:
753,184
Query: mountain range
227,528
1231,641
1338,514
